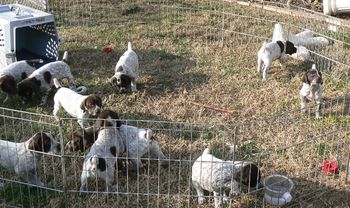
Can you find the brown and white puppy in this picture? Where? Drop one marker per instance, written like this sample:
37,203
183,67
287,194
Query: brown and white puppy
273,51
76,105
126,71
15,72
82,139
101,160
41,80
312,90
23,158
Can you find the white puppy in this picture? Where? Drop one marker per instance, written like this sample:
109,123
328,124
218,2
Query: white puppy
21,158
312,90
101,160
218,176
139,142
76,105
272,51
126,71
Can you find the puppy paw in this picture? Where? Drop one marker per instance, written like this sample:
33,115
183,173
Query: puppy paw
318,117
201,200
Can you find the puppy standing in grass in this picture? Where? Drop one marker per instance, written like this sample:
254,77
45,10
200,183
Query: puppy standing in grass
312,90
15,72
272,51
126,71
219,176
76,105
101,160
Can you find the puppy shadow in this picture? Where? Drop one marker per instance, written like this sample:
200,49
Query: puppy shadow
159,71
292,69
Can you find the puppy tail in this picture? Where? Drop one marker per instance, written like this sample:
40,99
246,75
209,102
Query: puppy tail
206,151
81,90
57,84
129,46
65,56
313,67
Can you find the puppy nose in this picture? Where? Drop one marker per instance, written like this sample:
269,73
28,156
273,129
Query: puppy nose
122,90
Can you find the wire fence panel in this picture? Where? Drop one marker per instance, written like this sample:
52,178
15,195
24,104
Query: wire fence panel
204,40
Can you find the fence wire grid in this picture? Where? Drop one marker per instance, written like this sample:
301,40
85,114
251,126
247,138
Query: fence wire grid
206,41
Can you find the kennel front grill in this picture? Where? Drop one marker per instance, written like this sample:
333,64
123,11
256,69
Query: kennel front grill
26,33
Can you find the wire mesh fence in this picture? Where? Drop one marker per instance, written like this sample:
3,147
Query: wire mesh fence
288,144
272,134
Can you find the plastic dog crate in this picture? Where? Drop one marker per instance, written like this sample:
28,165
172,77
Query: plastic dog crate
26,33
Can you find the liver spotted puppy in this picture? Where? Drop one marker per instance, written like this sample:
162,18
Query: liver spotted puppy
23,158
312,90
41,80
215,175
76,105
126,71
14,73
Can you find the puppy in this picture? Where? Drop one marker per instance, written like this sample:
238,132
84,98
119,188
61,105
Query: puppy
107,118
21,158
126,71
83,138
218,176
15,72
312,90
101,160
272,51
140,142
76,105
41,80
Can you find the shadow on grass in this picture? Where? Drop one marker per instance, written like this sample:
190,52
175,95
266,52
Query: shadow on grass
159,71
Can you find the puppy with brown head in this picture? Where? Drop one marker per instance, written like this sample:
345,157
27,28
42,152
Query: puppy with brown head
126,71
81,139
76,105
23,158
41,80
107,118
15,72
312,90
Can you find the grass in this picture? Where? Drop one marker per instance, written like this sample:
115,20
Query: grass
181,64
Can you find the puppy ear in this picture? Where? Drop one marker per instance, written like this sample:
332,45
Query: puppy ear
281,45
40,142
305,78
83,105
290,48
98,101
250,175
120,69
8,84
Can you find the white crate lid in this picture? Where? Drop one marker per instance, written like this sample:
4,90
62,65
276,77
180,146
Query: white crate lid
19,16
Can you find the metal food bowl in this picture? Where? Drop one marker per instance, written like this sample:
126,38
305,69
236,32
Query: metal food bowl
277,189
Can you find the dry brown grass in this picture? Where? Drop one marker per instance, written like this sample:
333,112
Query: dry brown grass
185,57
